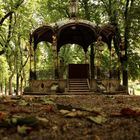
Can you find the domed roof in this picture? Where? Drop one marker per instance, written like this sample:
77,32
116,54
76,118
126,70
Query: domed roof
72,31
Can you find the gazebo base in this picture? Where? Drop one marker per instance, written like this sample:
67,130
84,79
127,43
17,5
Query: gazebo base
60,87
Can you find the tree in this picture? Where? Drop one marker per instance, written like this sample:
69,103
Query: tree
120,14
14,39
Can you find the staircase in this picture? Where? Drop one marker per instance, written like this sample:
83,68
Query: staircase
78,85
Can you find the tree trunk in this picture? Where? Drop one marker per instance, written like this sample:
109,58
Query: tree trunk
5,87
10,83
17,84
117,39
125,78
1,88
21,85
127,23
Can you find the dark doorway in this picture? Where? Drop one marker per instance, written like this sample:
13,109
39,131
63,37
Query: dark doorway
78,71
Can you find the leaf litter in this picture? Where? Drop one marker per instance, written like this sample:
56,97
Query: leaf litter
71,116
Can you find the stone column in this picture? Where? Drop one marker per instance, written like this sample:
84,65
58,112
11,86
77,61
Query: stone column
92,63
55,56
86,58
30,54
34,61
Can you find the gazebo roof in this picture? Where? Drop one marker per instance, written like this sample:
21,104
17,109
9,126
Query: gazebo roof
81,32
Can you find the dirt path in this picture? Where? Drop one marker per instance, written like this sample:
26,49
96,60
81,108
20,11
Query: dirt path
79,117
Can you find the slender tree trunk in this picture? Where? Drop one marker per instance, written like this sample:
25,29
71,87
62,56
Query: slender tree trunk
127,24
10,83
5,87
21,85
18,65
17,83
1,87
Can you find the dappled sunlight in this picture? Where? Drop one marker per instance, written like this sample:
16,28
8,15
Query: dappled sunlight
134,86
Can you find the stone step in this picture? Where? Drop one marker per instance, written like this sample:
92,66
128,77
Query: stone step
77,79
78,82
79,88
78,85
84,86
78,91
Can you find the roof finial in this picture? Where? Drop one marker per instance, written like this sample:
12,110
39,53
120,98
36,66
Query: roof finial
73,8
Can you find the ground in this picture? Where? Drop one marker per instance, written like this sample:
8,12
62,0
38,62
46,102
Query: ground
67,117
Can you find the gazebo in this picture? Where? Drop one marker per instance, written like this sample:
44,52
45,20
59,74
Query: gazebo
71,31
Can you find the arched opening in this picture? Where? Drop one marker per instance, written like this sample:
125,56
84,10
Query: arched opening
106,62
44,67
80,33
69,54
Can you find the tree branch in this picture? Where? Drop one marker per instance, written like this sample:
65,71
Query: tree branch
11,12
5,17
18,4
9,31
2,52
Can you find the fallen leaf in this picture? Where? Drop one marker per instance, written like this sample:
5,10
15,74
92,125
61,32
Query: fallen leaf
43,120
64,111
76,114
23,103
3,115
130,112
23,130
19,110
19,120
30,121
6,123
97,119
96,111
115,114
97,137
14,120
64,107
47,108
91,109
48,101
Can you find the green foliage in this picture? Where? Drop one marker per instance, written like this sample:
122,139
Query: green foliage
71,54
134,65
44,56
3,69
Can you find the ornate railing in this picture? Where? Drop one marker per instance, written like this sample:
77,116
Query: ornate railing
45,74
101,73
48,74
